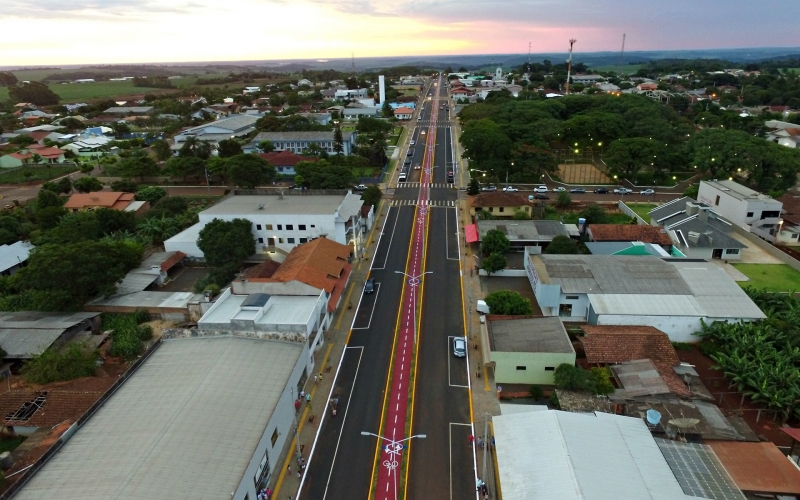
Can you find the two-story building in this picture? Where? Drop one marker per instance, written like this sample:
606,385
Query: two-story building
297,142
758,213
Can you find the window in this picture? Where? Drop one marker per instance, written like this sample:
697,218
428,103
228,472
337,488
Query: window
269,227
749,214
261,240
501,209
571,297
732,251
280,240
280,227
258,226
290,227
770,214
549,368
274,437
716,202
794,236
491,209
301,227
522,368
313,225
290,240
303,240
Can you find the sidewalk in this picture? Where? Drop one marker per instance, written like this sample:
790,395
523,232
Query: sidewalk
285,482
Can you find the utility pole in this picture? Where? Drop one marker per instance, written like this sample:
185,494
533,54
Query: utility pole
569,62
622,53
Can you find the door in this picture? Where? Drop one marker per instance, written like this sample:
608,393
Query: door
717,253
271,242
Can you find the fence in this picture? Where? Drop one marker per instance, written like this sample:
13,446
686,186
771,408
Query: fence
767,247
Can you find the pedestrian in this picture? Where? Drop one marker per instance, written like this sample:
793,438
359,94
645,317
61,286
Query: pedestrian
470,272
320,377
471,439
308,397
315,378
492,442
302,394
289,468
297,405
480,442
298,474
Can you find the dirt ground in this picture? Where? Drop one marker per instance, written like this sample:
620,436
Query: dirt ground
730,402
158,325
522,285
582,173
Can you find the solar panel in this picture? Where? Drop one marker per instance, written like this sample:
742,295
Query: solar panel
699,471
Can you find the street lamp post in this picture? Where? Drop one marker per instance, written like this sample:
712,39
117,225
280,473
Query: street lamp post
394,448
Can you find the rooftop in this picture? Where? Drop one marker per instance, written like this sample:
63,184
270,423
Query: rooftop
130,109
615,344
14,254
693,232
639,378
498,199
699,471
318,263
529,335
323,135
737,190
791,207
285,158
165,422
273,204
106,199
629,232
758,467
524,230
625,248
233,123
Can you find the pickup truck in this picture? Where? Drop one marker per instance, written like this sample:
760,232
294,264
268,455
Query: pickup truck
510,189
361,187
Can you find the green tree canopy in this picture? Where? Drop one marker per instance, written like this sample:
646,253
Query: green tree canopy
34,92
151,194
227,242
228,147
494,262
372,195
249,171
508,302
137,165
562,245
324,175
494,242
594,214
161,150
474,187
87,184
46,198
185,167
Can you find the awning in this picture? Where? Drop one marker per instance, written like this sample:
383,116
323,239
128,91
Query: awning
471,233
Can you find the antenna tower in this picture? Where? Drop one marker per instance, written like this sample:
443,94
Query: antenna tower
569,61
622,53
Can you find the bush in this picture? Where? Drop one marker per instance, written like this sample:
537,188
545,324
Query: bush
125,185
683,346
602,379
554,401
213,288
151,194
127,334
73,361
536,392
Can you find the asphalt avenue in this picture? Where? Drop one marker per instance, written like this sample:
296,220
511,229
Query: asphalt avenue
440,466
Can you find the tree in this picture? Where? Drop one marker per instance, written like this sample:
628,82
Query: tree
228,147
161,150
87,185
574,378
563,200
169,206
486,145
185,167
594,214
227,242
248,171
387,110
137,166
692,191
195,147
74,360
562,244
323,175
629,156
508,302
338,141
46,198
474,187
372,195
125,185
7,78
493,263
151,194
34,92
494,242
266,146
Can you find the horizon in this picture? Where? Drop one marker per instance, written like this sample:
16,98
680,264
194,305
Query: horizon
161,32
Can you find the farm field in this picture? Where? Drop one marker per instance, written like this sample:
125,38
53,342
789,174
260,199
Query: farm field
29,174
88,91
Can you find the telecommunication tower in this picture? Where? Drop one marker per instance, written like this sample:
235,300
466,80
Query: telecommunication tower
569,62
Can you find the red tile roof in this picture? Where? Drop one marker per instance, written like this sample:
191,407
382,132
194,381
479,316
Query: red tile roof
172,261
403,111
263,270
498,199
318,263
791,207
285,158
758,467
629,232
106,199
38,135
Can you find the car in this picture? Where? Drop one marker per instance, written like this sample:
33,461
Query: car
296,187
540,189
417,166
412,142
560,189
369,286
491,188
623,191
541,196
648,192
510,189
459,347
577,190
410,152
601,191
361,187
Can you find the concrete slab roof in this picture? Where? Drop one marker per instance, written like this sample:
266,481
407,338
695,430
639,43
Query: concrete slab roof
529,335
275,204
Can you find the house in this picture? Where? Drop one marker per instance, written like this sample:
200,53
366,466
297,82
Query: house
297,142
673,295
91,146
403,113
526,350
355,112
218,130
113,200
460,93
696,230
46,155
521,233
350,94
586,79
644,87
789,137
26,334
14,256
280,222
285,161
758,213
630,232
581,456
192,381
789,231
499,204
130,110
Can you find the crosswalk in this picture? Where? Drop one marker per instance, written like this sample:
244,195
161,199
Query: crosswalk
418,184
429,203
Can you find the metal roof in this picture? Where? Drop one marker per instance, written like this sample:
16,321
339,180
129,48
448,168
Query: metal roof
711,234
738,191
577,456
42,320
168,300
699,471
716,292
24,343
184,425
322,136
524,230
14,254
646,304
529,335
669,208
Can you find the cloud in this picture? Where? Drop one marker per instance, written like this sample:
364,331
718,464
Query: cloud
92,9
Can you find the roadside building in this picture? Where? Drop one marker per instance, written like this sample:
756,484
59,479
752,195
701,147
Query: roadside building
789,230
527,350
297,142
499,204
166,422
673,295
285,161
280,222
756,212
218,130
758,468
523,234
587,79
113,200
403,113
14,256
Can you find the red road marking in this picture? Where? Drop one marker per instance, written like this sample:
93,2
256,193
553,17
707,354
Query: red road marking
395,419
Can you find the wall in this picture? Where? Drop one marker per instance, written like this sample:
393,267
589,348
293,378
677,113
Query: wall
506,363
677,328
180,333
770,249
625,209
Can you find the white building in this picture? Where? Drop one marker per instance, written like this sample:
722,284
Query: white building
221,129
673,295
758,213
586,79
281,222
351,94
297,142
14,256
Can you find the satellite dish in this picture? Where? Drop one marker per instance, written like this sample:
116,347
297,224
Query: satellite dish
653,417
684,423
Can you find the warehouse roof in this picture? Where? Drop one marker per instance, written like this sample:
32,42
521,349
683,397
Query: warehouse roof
14,254
563,448
26,334
524,230
185,424
529,335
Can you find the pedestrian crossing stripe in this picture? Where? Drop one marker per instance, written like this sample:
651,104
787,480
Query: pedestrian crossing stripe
429,203
418,184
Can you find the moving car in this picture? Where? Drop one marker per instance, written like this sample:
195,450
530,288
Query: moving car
601,191
510,189
623,191
412,142
577,190
648,192
490,188
459,347
560,189
410,152
369,287
417,166
540,189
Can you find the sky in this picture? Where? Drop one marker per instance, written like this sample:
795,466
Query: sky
62,32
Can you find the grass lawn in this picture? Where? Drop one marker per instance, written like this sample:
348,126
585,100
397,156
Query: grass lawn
11,443
775,277
572,217
641,209
18,176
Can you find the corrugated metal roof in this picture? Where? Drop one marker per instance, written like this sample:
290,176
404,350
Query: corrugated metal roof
15,254
646,305
23,344
572,456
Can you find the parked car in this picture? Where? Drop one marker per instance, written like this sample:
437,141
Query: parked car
361,187
648,192
491,188
540,189
601,191
459,347
541,196
510,189
623,191
369,287
412,142
560,189
577,190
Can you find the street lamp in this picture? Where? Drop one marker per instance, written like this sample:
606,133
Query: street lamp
413,280
394,448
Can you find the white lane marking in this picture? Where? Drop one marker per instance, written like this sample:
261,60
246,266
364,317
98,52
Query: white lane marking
374,304
389,248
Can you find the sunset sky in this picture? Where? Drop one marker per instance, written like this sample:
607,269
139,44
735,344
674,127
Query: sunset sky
44,32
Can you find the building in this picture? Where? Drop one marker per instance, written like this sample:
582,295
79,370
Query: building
281,222
14,256
673,295
758,468
167,421
91,146
789,231
580,456
351,94
218,130
26,334
130,110
696,230
403,113
628,248
522,233
34,154
587,79
113,200
527,350
789,137
285,161
630,232
297,142
499,204
758,213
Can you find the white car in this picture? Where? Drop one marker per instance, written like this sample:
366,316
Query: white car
361,187
648,192
459,347
510,189
412,142
560,189
540,189
623,191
